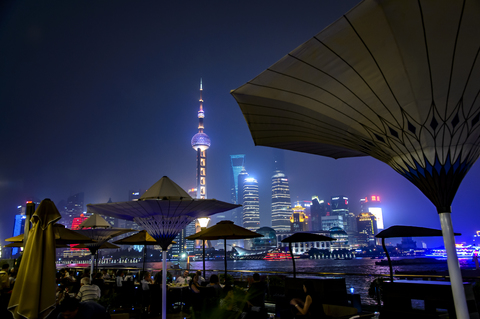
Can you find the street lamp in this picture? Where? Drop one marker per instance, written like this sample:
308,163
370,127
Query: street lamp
203,222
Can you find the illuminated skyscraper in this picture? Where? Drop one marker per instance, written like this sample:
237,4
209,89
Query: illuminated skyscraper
298,219
340,208
201,143
367,228
280,202
372,204
318,209
236,188
251,207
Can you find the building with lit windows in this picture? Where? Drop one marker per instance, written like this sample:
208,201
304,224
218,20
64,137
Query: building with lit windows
372,204
340,208
367,228
200,143
280,202
298,219
329,222
74,207
318,209
236,188
251,206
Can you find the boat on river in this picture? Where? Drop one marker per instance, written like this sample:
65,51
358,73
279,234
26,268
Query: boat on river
411,261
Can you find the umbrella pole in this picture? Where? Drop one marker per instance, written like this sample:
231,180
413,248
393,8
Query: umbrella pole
144,256
225,245
389,260
454,272
293,259
164,284
92,257
204,259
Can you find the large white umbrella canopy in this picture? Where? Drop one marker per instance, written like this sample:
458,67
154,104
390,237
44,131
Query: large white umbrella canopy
397,80
163,211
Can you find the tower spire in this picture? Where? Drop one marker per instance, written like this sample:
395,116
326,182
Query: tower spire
200,143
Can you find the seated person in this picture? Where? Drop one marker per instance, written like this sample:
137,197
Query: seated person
214,282
312,306
184,279
147,280
71,308
119,278
88,292
194,285
256,293
200,278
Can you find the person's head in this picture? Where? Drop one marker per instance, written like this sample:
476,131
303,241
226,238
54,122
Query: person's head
85,281
146,275
119,273
256,277
5,267
308,287
195,278
214,279
199,273
69,308
185,273
99,275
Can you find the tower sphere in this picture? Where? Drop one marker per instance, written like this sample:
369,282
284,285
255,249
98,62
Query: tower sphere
200,141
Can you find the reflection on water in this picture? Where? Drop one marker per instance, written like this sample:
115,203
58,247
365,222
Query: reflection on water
354,266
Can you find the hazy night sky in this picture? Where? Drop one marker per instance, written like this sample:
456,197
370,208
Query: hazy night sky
102,97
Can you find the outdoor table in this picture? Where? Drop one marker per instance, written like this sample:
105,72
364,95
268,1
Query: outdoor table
418,296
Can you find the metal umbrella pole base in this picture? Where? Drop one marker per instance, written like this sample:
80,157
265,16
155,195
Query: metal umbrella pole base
454,272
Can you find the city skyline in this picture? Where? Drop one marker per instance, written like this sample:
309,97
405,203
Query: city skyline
104,105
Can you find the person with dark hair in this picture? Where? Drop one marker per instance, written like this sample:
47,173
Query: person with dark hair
214,283
256,293
200,278
72,308
312,306
4,279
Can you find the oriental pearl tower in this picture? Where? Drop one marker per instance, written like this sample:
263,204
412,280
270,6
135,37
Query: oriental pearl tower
200,143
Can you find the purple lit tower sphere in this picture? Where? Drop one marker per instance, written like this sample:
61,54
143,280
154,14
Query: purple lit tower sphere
201,143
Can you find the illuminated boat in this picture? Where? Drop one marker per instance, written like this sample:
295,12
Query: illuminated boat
463,251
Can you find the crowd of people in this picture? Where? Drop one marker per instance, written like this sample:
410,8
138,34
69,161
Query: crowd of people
79,295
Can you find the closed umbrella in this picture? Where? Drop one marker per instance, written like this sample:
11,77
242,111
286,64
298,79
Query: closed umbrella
225,229
395,80
301,238
163,211
33,295
406,231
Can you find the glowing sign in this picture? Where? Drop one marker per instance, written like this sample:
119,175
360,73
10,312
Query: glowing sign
375,198
377,212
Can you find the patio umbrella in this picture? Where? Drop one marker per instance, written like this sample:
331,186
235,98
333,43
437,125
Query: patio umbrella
395,80
163,211
140,238
33,295
406,231
301,238
99,230
20,244
225,229
63,236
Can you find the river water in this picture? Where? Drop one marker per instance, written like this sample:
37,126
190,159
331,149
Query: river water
359,266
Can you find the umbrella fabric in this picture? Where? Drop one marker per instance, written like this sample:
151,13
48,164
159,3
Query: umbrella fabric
63,236
105,245
33,295
225,229
396,80
410,231
140,238
20,244
300,238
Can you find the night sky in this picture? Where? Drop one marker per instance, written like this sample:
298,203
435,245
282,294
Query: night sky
102,98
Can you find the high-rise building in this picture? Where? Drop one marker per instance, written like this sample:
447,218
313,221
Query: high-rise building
367,228
237,214
334,221
200,143
298,219
280,202
372,204
74,208
318,209
238,164
340,208
251,206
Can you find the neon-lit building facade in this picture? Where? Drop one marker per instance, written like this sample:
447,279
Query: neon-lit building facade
298,219
251,206
200,143
372,204
280,202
